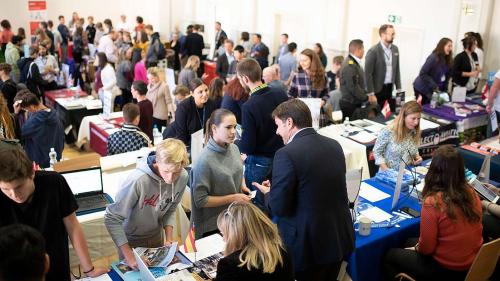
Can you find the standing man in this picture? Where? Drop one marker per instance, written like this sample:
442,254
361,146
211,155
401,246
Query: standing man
225,60
352,81
90,29
49,33
288,62
123,24
259,51
382,67
65,37
309,196
220,37
239,55
194,46
283,48
44,201
258,140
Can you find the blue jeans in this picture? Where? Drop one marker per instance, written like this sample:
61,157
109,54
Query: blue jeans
257,169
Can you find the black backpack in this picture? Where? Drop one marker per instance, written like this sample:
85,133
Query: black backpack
162,53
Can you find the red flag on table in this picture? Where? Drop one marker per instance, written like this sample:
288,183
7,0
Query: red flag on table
190,244
419,100
386,110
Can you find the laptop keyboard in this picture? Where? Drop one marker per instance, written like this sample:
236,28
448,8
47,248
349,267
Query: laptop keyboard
92,203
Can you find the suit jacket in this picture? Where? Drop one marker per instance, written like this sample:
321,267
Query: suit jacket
194,44
222,67
220,41
309,197
375,68
352,82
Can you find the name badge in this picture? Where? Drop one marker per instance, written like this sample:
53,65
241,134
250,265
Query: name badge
443,78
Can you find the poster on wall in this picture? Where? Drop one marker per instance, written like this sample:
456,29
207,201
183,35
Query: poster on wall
37,13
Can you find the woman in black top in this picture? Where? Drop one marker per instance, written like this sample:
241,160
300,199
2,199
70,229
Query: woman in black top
254,249
191,113
466,66
176,46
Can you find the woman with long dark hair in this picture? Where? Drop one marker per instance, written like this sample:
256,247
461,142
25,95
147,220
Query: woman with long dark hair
450,225
436,71
466,68
217,177
318,48
310,81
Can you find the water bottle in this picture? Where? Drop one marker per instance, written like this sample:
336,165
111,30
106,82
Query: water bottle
157,137
434,100
52,157
347,123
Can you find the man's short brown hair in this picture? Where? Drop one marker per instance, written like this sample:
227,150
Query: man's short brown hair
14,165
5,67
295,109
249,68
383,28
130,112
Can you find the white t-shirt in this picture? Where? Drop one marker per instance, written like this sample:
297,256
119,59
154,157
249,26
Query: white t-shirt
497,99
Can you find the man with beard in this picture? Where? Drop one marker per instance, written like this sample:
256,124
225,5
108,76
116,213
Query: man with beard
382,67
258,140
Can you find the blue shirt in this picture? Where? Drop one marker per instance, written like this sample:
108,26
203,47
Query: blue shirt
288,64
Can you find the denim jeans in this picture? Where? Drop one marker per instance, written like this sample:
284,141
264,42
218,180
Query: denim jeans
257,169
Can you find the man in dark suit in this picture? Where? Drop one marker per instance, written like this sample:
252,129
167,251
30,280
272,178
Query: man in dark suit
308,195
220,37
352,81
194,46
382,67
225,60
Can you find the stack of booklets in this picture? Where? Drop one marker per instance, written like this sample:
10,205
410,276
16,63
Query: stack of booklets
166,263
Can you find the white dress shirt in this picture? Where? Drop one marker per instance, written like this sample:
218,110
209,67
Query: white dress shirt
107,46
388,63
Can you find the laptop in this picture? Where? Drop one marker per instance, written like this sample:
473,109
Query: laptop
484,191
86,185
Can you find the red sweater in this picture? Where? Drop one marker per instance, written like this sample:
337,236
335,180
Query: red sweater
452,243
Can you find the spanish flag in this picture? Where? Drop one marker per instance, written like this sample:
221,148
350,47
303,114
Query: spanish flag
189,244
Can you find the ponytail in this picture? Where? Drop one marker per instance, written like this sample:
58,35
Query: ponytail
215,119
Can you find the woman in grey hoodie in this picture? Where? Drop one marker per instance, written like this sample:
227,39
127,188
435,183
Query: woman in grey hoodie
143,214
217,176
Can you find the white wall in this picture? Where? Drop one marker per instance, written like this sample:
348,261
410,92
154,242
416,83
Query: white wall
331,22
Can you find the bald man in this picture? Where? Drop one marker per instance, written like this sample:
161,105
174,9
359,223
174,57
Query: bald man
271,76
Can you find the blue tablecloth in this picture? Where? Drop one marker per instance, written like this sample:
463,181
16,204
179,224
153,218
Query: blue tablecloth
365,264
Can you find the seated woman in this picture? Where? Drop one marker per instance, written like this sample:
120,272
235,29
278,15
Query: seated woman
491,217
399,140
450,225
217,178
191,113
254,249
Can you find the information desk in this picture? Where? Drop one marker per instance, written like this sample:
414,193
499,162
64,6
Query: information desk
365,264
72,110
100,132
471,127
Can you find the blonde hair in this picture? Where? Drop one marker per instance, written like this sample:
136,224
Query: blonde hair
157,72
172,151
248,229
398,126
6,119
193,63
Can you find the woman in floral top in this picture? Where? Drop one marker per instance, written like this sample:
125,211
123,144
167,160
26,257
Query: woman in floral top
400,139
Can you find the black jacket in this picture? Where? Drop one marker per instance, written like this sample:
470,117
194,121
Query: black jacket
222,67
194,44
308,197
461,63
228,269
30,76
187,120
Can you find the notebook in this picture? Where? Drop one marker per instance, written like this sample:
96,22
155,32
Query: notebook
86,185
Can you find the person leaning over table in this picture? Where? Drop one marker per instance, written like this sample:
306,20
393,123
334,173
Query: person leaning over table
217,177
450,225
400,139
143,214
254,249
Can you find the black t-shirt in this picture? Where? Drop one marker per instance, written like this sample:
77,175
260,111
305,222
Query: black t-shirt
51,201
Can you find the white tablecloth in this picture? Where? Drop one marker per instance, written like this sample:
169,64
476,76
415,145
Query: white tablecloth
84,131
355,153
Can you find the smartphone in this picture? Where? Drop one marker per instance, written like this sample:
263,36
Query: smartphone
410,211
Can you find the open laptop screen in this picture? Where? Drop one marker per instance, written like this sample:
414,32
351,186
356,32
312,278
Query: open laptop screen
84,181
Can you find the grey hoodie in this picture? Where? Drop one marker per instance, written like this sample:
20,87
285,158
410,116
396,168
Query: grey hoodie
144,205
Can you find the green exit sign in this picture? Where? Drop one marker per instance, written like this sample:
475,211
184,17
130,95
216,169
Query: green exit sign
394,19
